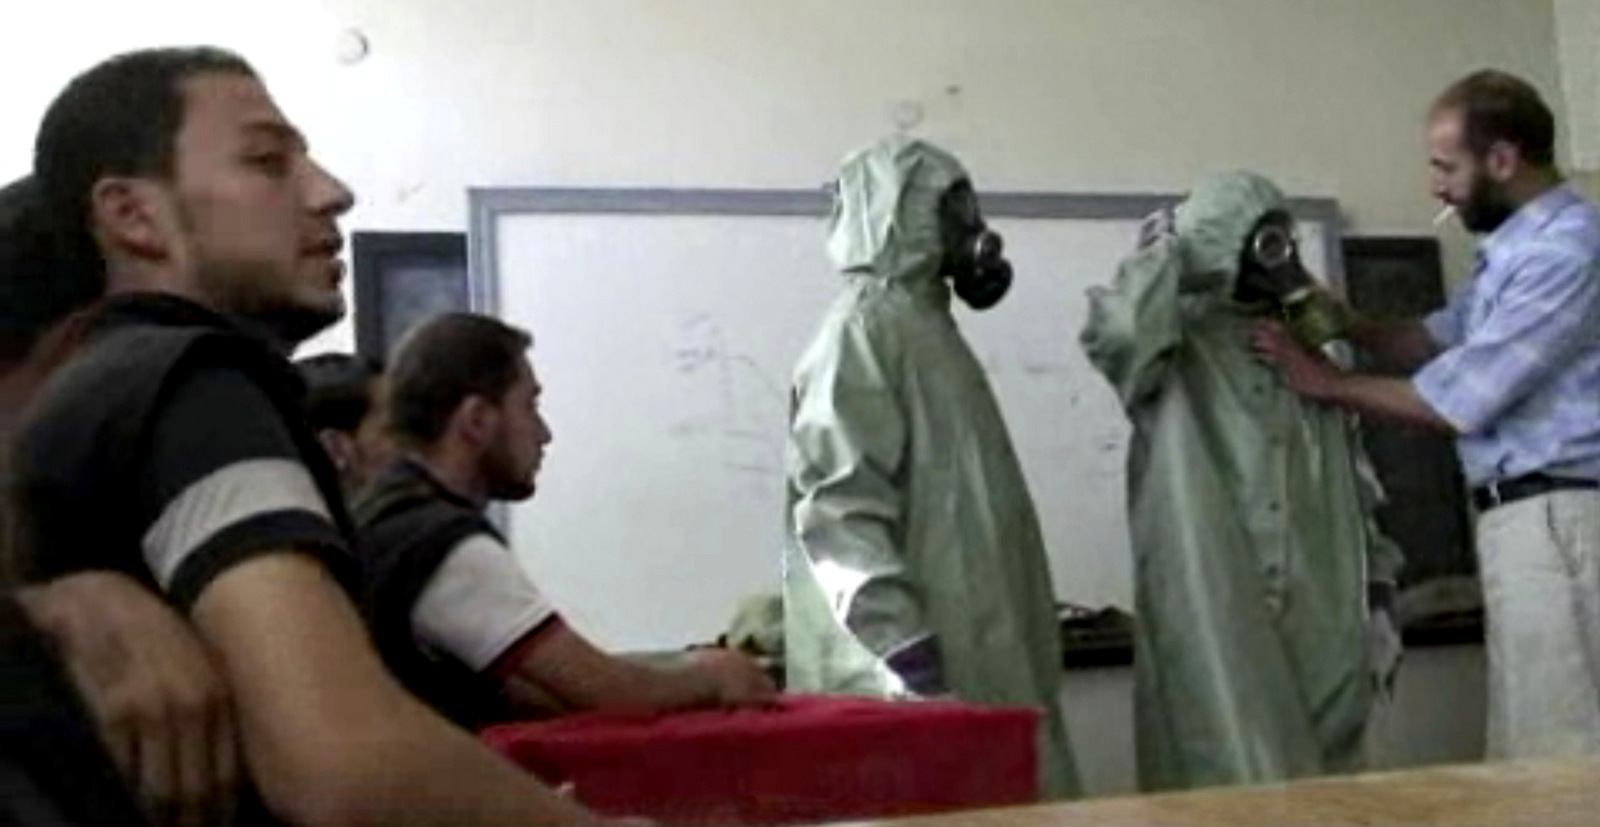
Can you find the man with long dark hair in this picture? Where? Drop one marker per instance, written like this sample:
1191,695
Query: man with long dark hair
172,447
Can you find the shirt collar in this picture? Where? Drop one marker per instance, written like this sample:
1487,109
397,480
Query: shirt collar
138,308
408,466
1533,215
171,310
162,309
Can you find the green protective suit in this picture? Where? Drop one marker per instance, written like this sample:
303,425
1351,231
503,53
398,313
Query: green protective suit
1252,519
910,524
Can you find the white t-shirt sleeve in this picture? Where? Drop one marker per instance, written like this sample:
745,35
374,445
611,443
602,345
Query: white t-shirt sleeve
479,604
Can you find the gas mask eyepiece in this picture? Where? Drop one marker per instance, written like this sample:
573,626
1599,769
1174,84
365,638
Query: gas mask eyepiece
1272,269
1273,247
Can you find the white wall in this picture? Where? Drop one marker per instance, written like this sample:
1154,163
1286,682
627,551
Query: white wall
1578,48
1036,94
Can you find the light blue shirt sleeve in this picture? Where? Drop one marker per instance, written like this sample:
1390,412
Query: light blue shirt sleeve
1446,323
1547,310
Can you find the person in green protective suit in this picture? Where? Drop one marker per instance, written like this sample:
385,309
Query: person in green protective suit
915,563
1264,589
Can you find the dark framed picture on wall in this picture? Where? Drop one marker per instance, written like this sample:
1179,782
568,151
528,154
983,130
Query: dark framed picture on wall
1426,512
402,278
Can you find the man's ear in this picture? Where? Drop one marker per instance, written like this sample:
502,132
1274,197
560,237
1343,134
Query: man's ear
340,447
1502,162
132,214
475,421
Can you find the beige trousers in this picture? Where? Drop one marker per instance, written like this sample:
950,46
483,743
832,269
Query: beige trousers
1540,562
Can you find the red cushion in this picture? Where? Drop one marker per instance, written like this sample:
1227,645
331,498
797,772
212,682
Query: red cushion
810,759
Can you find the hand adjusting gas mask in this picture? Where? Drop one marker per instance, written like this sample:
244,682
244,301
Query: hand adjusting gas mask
1270,270
974,255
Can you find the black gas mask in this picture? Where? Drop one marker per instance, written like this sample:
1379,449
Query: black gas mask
974,255
1270,270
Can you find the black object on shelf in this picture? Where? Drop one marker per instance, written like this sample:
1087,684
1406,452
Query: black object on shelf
1095,638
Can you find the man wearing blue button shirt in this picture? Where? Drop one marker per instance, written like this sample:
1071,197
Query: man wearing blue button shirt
1511,368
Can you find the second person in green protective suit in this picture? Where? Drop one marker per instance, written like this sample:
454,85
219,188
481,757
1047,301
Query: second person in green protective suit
1261,580
915,562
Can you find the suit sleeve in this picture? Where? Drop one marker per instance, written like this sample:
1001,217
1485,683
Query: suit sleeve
1384,556
1134,324
848,443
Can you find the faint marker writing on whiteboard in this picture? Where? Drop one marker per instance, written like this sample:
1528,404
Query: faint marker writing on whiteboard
747,411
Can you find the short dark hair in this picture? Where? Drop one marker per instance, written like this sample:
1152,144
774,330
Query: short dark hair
1498,106
443,362
38,287
338,389
121,117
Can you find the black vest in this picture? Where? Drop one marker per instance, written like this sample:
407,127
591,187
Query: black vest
408,525
94,420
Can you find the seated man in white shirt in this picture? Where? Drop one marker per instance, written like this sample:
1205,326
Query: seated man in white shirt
454,615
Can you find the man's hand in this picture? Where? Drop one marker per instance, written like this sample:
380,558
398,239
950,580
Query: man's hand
1159,225
1387,650
1308,374
736,678
1312,376
164,713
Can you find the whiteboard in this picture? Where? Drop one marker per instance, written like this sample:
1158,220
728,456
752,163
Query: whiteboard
665,342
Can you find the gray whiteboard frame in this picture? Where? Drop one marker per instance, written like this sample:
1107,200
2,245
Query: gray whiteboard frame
487,205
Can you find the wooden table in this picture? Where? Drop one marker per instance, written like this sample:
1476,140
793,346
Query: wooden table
1542,794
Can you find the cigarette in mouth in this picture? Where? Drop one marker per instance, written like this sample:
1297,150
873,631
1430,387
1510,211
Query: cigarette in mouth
1444,215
